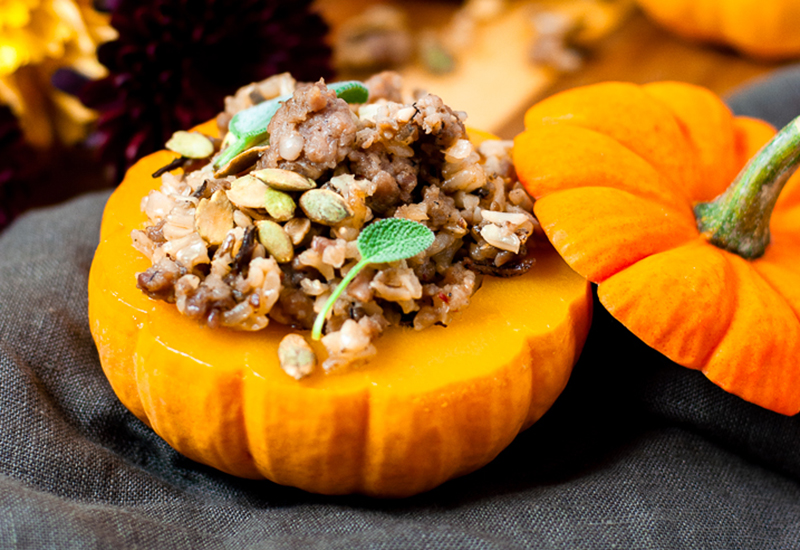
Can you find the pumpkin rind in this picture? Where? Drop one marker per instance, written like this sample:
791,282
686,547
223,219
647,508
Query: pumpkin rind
759,28
431,406
705,308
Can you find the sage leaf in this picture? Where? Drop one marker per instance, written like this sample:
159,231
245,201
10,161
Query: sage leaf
392,239
386,240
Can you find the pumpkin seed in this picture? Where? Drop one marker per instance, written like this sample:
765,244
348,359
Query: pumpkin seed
285,180
296,356
214,218
190,145
324,206
241,162
501,237
247,192
275,240
297,229
499,218
279,205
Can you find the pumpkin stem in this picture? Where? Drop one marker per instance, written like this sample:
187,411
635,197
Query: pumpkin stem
738,219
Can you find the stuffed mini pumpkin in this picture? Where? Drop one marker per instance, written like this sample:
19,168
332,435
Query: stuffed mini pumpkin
625,178
760,28
431,405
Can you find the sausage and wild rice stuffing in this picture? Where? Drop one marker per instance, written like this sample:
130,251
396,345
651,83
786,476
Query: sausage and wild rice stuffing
271,233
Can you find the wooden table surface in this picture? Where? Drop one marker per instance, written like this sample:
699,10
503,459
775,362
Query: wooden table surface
638,51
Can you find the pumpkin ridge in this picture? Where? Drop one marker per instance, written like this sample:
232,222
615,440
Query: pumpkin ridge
750,135
710,128
777,291
773,259
247,446
676,185
629,113
617,292
130,394
749,382
682,125
734,296
597,267
361,484
537,408
674,195
209,437
140,398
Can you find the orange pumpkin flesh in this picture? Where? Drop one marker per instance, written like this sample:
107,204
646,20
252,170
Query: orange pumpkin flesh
431,406
627,223
760,28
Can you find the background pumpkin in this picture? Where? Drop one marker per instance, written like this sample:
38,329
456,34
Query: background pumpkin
617,169
433,405
761,28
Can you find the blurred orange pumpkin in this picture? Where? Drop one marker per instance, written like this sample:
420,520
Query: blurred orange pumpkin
760,28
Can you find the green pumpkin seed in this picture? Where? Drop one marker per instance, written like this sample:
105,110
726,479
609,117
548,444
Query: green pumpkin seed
297,229
247,192
241,162
285,180
279,205
325,207
275,240
296,356
190,145
214,218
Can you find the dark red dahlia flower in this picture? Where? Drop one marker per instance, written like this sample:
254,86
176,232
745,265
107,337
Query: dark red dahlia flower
175,60
17,167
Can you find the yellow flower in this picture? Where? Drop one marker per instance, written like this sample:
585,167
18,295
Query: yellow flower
37,37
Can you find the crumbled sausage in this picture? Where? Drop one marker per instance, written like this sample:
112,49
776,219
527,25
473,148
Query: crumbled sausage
323,122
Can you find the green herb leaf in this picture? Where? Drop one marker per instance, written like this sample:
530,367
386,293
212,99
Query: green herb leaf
249,126
352,91
253,121
386,240
235,146
393,239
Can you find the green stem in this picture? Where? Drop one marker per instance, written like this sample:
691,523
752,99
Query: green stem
235,146
738,219
316,332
